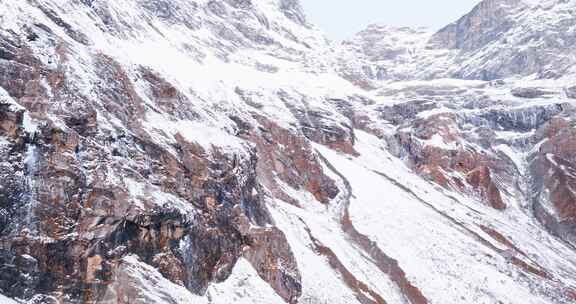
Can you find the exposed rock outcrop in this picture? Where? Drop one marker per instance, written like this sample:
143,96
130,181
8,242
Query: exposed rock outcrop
224,151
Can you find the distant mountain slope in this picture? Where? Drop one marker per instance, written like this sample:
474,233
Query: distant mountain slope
497,39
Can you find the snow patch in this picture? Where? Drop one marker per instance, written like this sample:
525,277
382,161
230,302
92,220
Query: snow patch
5,98
30,158
517,158
6,300
154,287
206,136
142,193
438,141
244,286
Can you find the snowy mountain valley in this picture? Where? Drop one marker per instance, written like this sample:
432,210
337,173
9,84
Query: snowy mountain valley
225,151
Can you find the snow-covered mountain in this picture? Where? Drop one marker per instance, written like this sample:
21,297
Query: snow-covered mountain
224,151
497,39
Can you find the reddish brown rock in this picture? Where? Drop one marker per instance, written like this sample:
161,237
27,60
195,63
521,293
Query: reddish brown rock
84,220
167,97
268,251
171,267
440,162
10,120
290,158
552,168
481,180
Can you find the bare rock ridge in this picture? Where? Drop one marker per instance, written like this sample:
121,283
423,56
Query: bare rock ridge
224,151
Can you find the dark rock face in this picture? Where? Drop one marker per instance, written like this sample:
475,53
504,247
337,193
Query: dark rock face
14,202
529,92
523,120
399,113
65,227
189,249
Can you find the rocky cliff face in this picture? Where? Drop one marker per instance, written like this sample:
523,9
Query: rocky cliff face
224,152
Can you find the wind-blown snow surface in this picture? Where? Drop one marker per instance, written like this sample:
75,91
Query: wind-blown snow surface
5,300
230,62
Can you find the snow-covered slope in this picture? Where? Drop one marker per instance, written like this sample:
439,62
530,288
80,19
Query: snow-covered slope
5,300
224,151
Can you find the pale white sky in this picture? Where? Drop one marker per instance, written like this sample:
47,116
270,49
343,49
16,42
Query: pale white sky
340,19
